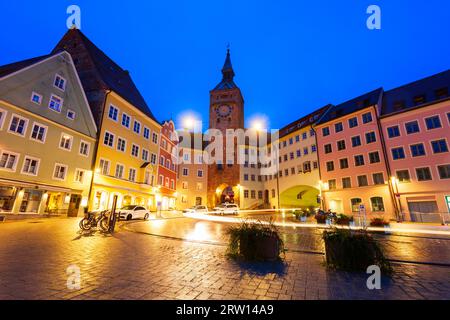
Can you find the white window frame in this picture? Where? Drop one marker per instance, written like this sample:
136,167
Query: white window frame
117,145
101,168
187,172
118,113
74,114
140,126
62,78
133,147
45,133
77,170
36,94
124,114
71,142
25,127
142,154
123,170
54,171
198,171
2,120
50,100
37,166
111,134
88,148
149,133
131,169
13,169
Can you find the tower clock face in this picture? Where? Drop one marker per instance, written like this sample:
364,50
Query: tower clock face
223,110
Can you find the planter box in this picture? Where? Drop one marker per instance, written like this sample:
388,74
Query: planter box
259,248
303,219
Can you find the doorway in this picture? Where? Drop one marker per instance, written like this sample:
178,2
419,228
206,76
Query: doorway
74,205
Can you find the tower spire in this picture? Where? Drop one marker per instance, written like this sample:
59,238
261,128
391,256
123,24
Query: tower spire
227,70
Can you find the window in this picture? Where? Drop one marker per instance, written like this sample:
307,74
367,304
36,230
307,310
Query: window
246,194
185,171
328,148
330,166
252,194
79,175
162,160
71,114
184,185
144,154
121,144
338,127
60,172
60,82
8,160
253,177
367,117
273,193
2,118
343,163
104,167
353,122
55,103
84,148
439,146
109,139
66,142
356,141
377,204
119,171
260,194
332,184
398,153
200,173
132,175
113,113
370,137
378,178
313,148
307,166
291,155
441,93
137,127
393,131
155,137
146,133
135,150
30,166
355,204
126,120
18,125
417,150
291,141
36,98
312,133
362,181
39,132
403,176
374,157
153,158
359,160
325,131
305,151
419,99
297,138
346,183
412,127
341,145
423,174
304,135
444,171
433,122
298,153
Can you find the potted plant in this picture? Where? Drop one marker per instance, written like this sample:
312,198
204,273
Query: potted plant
321,217
301,215
255,241
379,222
343,220
353,251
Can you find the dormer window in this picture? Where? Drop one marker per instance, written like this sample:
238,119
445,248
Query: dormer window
60,82
441,93
418,100
71,114
399,105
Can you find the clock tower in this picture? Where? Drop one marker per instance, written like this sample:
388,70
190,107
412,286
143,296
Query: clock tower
226,111
226,106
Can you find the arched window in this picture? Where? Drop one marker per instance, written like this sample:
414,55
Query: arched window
355,204
377,204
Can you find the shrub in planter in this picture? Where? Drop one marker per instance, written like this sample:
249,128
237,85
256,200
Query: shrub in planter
378,222
353,251
321,218
301,215
255,241
344,220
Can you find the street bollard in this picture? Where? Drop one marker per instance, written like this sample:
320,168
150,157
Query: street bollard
113,217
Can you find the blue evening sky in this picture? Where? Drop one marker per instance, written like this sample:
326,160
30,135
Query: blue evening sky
290,57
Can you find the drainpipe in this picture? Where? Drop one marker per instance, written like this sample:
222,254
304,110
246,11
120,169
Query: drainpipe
322,195
94,158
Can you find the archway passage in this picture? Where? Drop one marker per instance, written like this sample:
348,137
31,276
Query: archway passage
301,196
226,193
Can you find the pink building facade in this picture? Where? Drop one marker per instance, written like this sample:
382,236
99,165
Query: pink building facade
353,166
415,123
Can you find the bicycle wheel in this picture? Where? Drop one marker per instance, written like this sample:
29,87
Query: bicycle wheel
103,223
85,224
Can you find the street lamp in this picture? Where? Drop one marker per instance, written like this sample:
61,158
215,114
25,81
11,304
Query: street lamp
394,182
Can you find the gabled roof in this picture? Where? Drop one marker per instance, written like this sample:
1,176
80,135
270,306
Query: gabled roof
353,105
416,94
16,66
111,74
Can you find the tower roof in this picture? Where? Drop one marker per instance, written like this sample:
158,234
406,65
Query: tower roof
227,75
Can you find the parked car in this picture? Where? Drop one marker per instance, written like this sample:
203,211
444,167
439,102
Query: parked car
133,212
196,209
226,208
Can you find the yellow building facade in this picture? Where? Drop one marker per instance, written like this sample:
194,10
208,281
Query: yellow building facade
126,158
